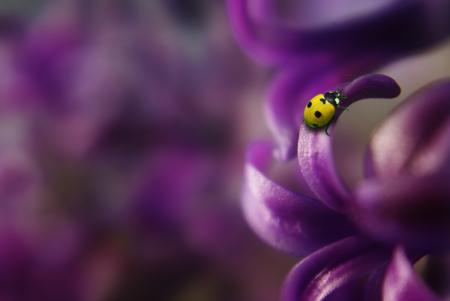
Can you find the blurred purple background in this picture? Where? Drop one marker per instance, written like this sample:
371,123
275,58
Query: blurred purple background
123,127
122,131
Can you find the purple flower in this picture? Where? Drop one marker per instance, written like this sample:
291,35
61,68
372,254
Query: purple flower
317,44
129,121
348,236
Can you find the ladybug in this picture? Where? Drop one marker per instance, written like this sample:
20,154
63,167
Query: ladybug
321,109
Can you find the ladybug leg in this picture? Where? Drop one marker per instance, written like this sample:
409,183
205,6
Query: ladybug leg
326,129
328,125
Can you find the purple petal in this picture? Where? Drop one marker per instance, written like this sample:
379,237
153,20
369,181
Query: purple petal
286,98
315,155
248,34
415,137
272,40
414,211
401,282
371,86
286,220
329,269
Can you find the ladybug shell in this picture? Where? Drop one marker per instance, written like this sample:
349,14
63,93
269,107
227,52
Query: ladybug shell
319,112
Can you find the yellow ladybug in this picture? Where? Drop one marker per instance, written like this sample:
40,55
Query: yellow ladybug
320,110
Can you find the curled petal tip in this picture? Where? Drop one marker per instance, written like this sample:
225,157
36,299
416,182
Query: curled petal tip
372,86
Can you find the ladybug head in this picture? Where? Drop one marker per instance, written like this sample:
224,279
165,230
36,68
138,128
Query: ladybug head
333,97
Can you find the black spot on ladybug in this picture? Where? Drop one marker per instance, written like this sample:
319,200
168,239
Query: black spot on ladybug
323,100
314,125
309,104
317,114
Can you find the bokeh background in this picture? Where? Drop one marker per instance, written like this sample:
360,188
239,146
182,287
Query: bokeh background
123,128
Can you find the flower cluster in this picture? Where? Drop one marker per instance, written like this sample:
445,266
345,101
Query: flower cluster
119,151
358,243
